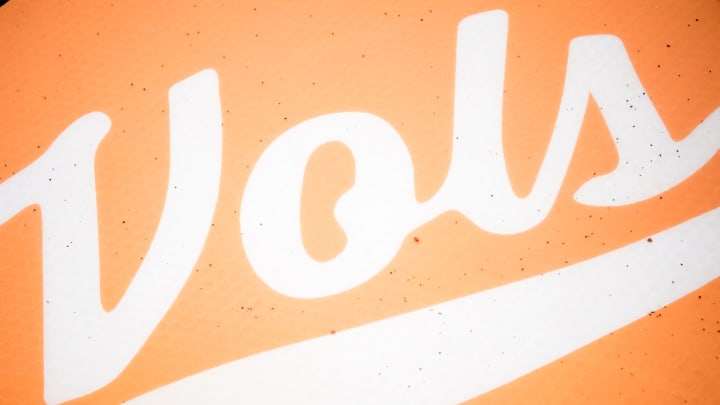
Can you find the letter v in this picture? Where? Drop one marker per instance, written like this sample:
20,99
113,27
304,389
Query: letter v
86,347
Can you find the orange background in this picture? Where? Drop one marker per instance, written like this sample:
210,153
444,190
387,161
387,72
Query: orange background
282,64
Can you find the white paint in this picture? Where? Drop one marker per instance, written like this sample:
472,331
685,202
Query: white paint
86,347
459,349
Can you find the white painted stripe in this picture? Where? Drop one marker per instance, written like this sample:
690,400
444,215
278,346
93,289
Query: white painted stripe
459,349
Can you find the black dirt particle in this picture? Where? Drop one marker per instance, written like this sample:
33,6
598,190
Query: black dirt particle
649,240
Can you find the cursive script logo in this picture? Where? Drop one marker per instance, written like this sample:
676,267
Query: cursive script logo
86,347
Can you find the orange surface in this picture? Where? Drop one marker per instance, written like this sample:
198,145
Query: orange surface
282,64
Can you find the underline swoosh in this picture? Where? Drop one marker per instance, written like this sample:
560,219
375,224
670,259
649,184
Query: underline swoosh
459,349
